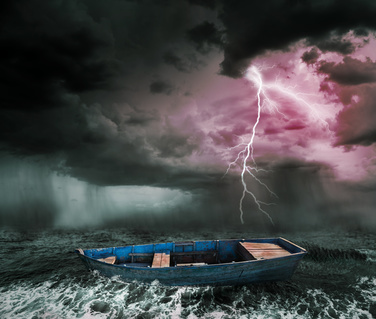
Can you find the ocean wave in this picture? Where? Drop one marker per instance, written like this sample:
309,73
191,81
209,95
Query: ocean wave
37,282
318,253
98,297
369,253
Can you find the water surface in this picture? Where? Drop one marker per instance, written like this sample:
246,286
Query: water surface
41,277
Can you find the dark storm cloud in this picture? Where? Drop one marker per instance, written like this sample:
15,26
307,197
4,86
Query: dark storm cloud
70,67
354,86
142,29
362,32
106,145
186,64
350,71
310,57
175,145
336,44
356,123
172,59
251,27
51,131
205,36
103,151
161,87
49,48
57,47
205,3
177,141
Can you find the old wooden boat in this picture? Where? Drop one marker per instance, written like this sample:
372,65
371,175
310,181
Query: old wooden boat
209,262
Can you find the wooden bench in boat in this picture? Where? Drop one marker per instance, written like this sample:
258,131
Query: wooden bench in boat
161,260
252,251
109,260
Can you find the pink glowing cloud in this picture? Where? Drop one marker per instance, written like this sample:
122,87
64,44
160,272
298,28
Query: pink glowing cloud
312,125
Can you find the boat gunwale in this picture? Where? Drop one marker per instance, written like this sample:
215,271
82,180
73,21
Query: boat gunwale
233,239
190,267
291,243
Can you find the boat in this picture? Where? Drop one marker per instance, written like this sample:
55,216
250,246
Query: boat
208,262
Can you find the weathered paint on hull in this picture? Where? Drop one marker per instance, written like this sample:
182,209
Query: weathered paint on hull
237,273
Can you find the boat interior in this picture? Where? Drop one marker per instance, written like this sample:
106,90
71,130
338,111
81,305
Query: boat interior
193,253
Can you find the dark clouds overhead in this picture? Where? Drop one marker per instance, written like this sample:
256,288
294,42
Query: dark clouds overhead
356,123
335,44
54,48
310,57
354,84
205,36
49,49
251,28
186,63
161,87
69,70
205,3
128,93
350,71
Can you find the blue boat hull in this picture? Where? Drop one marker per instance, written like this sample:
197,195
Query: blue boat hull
230,273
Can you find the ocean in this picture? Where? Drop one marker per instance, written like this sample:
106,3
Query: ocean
41,277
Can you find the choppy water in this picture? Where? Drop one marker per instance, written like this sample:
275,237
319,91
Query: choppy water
40,277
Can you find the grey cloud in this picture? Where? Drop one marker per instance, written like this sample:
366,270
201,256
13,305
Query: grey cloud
251,28
46,57
161,87
172,59
334,44
177,142
354,85
62,54
205,35
186,64
177,145
310,57
350,71
356,123
205,3
143,28
69,70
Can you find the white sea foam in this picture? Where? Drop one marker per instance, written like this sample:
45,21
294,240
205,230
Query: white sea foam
111,298
370,254
115,299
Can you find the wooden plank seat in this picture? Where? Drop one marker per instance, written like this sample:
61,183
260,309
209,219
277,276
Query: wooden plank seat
252,251
161,260
109,260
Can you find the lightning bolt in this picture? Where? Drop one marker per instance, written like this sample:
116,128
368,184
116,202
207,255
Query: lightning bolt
247,153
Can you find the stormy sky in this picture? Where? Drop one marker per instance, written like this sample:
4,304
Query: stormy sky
131,111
